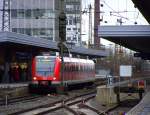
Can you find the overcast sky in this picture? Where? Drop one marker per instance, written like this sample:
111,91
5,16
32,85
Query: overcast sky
127,12
113,10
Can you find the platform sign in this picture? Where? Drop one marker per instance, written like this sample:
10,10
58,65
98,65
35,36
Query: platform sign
125,70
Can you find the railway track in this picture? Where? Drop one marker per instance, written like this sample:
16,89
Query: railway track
22,99
50,107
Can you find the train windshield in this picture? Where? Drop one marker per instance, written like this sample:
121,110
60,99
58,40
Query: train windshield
45,65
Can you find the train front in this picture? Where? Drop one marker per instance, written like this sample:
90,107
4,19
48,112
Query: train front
43,73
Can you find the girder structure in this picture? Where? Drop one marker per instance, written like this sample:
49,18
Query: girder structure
6,15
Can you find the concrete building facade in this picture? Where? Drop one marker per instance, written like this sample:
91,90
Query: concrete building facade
73,27
38,18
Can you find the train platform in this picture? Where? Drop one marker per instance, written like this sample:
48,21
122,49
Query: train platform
13,85
13,89
143,108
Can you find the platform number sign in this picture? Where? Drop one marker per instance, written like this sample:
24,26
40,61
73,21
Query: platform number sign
125,70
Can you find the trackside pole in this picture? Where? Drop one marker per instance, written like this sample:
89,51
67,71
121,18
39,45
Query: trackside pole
62,36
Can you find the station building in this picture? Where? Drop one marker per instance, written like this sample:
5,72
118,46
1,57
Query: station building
18,50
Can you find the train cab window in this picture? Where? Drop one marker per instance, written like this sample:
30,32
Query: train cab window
45,65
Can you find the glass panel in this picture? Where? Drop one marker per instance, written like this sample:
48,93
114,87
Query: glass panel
35,32
28,13
45,65
14,29
13,13
42,31
20,13
28,31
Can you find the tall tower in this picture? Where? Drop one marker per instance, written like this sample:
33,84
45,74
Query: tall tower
96,22
6,15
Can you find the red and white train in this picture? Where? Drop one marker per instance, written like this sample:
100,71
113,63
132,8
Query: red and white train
46,70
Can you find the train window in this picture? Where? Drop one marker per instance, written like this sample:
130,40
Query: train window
79,67
73,67
83,67
65,66
70,67
45,66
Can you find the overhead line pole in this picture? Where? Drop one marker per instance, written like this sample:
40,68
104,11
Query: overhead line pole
62,39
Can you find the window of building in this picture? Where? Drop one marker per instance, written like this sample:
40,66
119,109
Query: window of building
78,19
69,38
42,31
70,22
35,32
79,29
28,13
68,28
74,29
74,21
14,29
49,38
49,32
74,39
13,13
21,30
28,31
36,13
48,14
20,13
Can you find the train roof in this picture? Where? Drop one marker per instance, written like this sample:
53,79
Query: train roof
69,59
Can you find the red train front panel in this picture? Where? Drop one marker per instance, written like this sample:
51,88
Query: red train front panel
45,68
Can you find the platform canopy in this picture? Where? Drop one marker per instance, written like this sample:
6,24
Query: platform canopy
135,37
21,41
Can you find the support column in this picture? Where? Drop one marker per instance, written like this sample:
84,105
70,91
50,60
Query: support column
96,23
7,60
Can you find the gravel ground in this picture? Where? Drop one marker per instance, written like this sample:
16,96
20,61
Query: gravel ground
11,108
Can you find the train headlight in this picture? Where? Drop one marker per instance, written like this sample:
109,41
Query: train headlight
34,78
54,78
